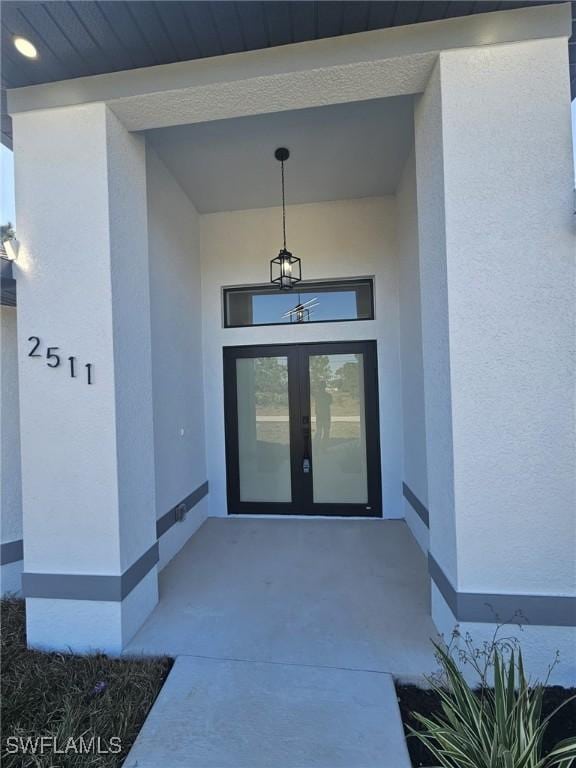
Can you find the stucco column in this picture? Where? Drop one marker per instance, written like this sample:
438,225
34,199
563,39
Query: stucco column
10,486
90,548
495,206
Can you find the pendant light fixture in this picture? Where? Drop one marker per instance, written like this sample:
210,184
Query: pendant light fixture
302,311
285,269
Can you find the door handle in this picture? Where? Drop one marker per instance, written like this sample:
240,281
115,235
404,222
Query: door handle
306,465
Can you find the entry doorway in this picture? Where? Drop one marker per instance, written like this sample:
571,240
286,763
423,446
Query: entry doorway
302,433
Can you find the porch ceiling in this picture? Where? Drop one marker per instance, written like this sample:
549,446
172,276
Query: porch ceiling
338,152
83,37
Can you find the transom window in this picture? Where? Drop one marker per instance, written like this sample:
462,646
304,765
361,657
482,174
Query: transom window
311,302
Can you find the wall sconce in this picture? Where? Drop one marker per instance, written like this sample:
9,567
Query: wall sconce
10,249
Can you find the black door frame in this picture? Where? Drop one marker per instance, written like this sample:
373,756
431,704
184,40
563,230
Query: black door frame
299,394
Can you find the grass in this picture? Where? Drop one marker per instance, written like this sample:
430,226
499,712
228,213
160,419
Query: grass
411,699
64,696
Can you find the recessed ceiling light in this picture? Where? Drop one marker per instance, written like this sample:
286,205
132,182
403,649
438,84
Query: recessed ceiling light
25,47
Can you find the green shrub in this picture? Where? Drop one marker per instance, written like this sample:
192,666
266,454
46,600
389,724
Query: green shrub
497,725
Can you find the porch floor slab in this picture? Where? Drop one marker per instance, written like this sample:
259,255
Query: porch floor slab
229,714
349,594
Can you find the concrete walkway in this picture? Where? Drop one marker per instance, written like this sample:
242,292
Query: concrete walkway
286,633
334,593
237,714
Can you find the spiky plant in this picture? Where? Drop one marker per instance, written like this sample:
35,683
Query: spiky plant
499,726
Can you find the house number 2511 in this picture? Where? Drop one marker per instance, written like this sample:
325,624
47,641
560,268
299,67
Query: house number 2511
53,359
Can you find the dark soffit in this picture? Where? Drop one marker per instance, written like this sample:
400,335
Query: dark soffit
76,39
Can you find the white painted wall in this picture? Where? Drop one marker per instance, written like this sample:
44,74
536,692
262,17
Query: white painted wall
511,273
434,311
414,416
177,377
347,238
498,327
87,451
10,476
129,280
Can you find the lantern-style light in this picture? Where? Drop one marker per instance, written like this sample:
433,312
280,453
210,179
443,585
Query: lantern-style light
302,311
285,269
301,314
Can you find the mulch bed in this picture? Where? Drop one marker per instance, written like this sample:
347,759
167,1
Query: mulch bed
411,698
64,696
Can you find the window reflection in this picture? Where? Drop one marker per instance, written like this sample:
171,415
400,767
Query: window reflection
338,428
263,429
313,303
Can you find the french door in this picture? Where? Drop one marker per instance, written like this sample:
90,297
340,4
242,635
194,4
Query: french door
302,429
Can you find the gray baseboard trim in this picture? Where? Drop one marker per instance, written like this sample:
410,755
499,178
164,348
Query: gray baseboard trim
166,522
11,552
58,586
70,586
535,610
416,504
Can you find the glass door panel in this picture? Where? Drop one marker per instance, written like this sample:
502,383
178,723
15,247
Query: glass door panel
302,429
263,414
338,427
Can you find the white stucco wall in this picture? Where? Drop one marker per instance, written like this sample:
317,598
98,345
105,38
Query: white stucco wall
177,378
90,297
10,477
87,450
515,227
434,311
497,265
414,416
349,238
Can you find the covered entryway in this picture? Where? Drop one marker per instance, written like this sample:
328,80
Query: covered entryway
408,148
287,634
352,594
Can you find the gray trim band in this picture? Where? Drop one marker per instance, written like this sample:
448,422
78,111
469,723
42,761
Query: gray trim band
59,586
416,504
11,552
68,586
166,522
536,610
134,575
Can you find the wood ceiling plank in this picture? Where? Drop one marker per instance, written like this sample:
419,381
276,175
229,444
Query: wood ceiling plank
407,13
120,20
381,14
48,66
71,25
64,49
279,22
330,18
179,29
228,24
253,26
153,30
106,40
304,21
355,17
203,26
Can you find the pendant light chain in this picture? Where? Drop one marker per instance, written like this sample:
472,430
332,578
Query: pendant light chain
283,207
285,269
